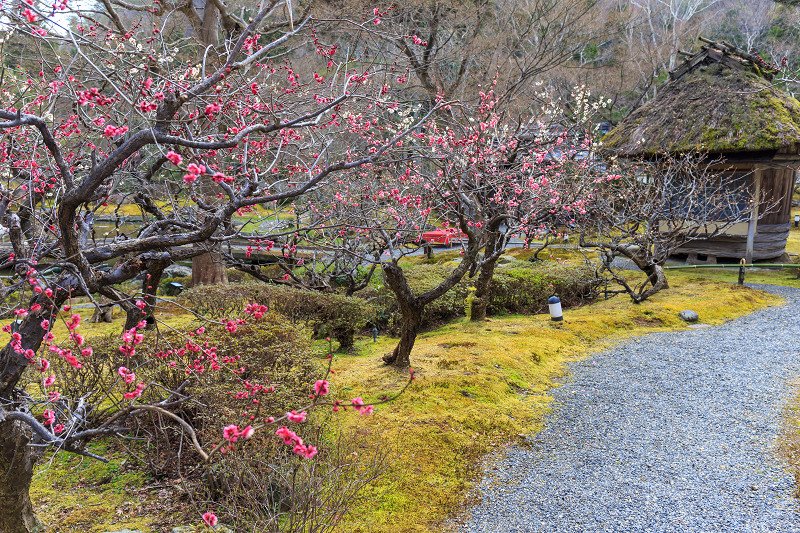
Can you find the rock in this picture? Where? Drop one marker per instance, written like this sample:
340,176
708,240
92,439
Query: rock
505,259
125,531
177,271
623,263
689,316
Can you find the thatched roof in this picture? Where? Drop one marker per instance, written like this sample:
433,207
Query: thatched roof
720,100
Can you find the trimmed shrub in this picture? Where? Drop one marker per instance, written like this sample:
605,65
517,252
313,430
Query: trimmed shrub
326,313
272,352
520,287
523,288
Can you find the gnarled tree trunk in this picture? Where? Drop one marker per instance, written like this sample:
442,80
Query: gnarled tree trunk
484,282
16,472
409,329
657,280
482,286
411,306
155,270
208,269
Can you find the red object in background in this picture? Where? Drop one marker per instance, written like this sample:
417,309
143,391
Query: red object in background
444,236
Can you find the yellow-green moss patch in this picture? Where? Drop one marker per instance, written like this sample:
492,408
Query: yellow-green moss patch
482,386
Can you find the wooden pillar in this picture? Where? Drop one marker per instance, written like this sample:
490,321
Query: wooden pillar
753,226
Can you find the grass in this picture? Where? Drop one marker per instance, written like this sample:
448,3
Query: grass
789,438
785,277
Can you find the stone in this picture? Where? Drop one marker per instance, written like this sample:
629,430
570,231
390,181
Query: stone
689,316
623,263
177,271
125,531
505,259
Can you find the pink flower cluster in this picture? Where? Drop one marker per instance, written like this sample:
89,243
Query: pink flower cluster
258,311
358,405
296,417
212,109
127,375
194,172
131,338
290,438
174,158
232,433
30,16
210,519
135,393
321,387
220,177
112,131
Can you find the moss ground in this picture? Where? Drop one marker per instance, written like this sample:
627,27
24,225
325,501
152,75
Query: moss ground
789,439
484,386
73,493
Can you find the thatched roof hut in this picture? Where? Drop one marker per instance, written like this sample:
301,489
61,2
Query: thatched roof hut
723,101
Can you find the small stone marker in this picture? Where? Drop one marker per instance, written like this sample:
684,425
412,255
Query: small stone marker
689,316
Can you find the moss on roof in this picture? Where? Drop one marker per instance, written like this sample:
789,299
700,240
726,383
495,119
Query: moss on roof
712,108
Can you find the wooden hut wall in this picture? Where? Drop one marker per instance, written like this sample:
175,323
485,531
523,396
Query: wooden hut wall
769,242
773,226
777,185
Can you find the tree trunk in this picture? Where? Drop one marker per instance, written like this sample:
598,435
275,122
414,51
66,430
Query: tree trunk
484,281
482,286
16,472
657,281
346,338
208,269
411,306
149,288
409,328
411,309
105,313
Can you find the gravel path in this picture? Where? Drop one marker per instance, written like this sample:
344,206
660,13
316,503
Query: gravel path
670,432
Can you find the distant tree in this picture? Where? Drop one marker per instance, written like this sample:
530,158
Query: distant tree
454,50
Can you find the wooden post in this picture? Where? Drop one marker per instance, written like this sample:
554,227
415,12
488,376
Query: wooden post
751,229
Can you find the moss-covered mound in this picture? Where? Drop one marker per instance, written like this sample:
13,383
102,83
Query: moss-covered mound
714,107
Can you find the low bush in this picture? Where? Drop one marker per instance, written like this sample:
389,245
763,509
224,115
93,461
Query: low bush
520,287
272,351
523,287
259,485
326,313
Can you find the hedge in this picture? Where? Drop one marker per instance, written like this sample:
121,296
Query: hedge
326,313
520,287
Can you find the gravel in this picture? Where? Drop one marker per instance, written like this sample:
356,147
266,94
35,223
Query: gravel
669,432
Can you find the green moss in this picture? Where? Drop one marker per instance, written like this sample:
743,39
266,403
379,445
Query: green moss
73,493
496,393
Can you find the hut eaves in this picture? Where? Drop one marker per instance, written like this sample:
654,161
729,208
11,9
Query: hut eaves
719,100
